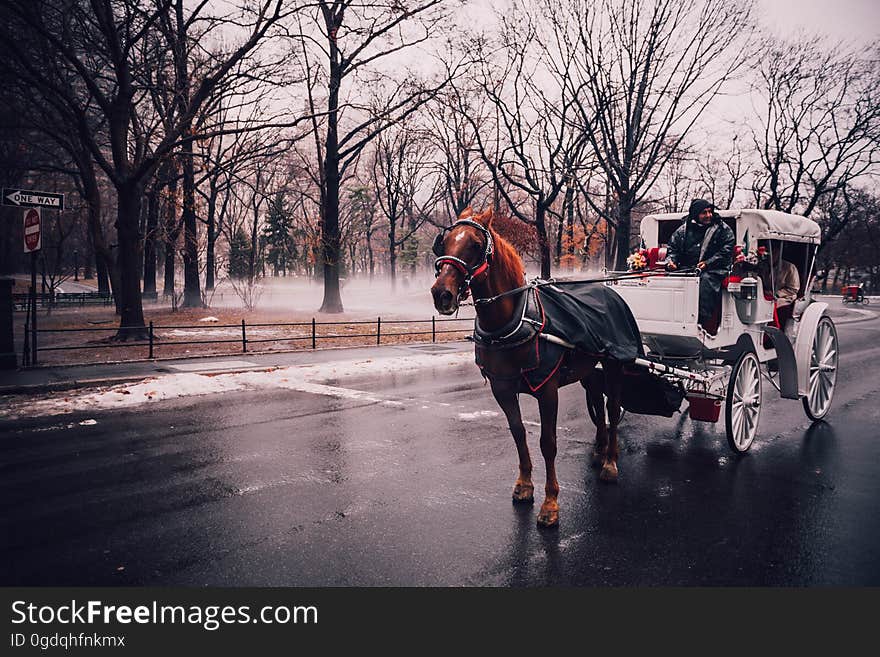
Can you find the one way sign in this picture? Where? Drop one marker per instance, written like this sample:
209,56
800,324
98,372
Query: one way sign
28,198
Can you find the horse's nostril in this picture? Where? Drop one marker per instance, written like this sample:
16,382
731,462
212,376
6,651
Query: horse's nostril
443,298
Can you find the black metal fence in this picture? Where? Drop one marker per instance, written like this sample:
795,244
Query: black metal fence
308,334
20,301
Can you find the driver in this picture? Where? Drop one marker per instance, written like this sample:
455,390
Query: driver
705,243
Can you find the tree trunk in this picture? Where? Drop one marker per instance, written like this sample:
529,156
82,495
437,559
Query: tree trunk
392,253
192,293
131,325
624,226
172,232
212,238
370,254
543,243
332,302
149,285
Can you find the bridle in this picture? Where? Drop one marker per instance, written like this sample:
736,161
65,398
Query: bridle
468,272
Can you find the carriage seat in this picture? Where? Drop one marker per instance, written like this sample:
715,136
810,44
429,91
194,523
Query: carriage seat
656,257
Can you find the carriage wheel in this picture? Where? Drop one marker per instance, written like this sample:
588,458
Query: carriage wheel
742,407
865,301
823,370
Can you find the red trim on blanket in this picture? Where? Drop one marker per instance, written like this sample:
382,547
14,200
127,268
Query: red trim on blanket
549,376
538,352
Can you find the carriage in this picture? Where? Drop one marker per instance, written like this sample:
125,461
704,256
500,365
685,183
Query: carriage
641,349
854,294
724,369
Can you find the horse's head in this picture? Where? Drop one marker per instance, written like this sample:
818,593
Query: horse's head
464,251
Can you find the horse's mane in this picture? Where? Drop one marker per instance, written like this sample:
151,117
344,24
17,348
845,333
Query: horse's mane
506,258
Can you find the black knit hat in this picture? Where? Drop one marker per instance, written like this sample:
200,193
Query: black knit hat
697,206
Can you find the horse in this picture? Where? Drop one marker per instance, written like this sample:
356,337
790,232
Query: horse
473,259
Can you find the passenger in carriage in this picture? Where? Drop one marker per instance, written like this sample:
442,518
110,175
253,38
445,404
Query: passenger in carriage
782,278
705,243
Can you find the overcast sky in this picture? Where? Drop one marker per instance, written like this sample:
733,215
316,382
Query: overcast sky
840,19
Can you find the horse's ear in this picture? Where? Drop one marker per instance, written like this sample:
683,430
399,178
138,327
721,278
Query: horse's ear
467,213
484,218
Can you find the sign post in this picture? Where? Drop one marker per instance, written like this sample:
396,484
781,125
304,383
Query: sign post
32,242
33,199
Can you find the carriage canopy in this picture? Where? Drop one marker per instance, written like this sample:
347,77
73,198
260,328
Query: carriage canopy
760,224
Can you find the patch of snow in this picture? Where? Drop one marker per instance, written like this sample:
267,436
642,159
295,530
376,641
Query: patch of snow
209,319
309,379
229,332
477,415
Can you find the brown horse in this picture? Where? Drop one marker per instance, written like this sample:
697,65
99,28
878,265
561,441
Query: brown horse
472,258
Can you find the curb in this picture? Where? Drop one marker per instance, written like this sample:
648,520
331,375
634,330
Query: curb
56,386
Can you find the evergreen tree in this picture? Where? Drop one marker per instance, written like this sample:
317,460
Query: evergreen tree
239,255
278,235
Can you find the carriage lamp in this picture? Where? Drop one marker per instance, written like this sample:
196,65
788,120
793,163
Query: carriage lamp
748,289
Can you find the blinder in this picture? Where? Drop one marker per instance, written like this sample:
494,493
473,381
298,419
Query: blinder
437,247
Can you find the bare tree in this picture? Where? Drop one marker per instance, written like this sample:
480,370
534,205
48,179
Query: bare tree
721,173
644,72
819,122
354,40
105,47
400,165
461,170
538,148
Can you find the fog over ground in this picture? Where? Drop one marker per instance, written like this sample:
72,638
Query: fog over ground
409,299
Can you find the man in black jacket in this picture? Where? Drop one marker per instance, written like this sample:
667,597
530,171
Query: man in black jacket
705,243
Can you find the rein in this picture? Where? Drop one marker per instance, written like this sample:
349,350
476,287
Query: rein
536,283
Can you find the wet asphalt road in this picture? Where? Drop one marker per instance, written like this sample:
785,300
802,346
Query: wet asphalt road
299,489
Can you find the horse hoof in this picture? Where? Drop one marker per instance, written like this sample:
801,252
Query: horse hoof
549,516
523,497
609,473
523,492
547,520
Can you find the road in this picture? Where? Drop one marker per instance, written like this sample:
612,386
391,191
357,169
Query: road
407,483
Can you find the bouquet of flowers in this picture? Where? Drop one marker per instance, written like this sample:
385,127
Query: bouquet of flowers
638,260
745,261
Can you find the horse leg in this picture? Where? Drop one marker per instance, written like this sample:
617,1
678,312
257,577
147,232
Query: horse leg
596,410
613,391
548,404
523,489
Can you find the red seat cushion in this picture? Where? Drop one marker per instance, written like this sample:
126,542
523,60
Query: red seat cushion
656,257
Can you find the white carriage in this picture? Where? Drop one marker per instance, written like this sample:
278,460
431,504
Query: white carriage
724,371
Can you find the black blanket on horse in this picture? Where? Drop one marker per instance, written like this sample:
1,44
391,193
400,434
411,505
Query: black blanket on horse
591,316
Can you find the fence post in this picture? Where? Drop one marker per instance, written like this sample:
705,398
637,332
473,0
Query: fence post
26,356
378,330
34,324
313,333
151,339
243,338
433,329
